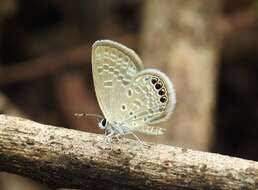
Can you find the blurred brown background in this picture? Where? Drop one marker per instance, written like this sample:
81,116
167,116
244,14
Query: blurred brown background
208,48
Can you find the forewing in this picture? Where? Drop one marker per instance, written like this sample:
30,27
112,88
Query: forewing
114,66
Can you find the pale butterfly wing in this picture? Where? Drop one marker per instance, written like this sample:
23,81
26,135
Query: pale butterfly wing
150,99
113,67
128,94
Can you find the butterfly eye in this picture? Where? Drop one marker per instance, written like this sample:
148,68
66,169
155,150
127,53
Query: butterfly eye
158,85
163,99
154,80
102,124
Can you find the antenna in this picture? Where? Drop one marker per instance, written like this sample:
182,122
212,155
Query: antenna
88,115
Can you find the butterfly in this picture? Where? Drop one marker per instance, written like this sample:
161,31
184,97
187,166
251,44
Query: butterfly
131,97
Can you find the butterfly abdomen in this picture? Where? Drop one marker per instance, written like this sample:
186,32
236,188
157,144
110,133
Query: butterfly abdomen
149,130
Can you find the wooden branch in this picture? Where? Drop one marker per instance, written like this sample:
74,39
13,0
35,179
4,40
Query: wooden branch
73,159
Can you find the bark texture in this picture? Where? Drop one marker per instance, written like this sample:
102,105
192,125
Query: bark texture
68,158
180,38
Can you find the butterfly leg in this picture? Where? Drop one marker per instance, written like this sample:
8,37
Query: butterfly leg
137,138
108,137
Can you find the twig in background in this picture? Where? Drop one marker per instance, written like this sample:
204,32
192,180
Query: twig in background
50,63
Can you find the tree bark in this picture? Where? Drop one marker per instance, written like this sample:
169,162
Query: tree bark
180,38
68,158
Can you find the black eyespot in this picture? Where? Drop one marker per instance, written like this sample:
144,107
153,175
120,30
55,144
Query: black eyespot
129,92
103,122
131,113
123,107
162,91
158,85
163,99
154,80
